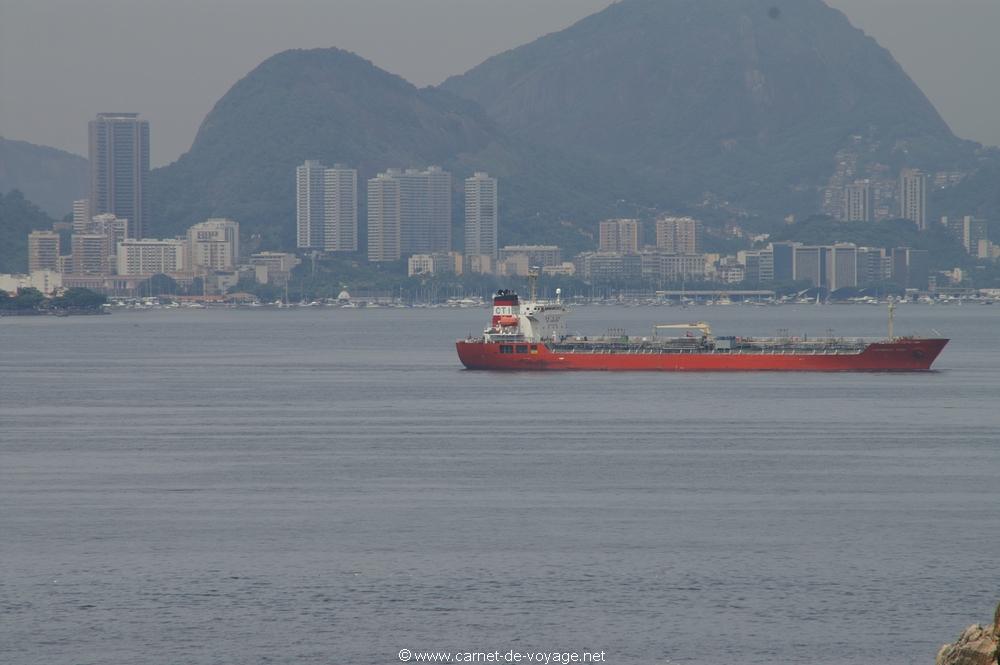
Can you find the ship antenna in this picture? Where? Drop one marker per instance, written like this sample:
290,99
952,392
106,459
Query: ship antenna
533,282
892,318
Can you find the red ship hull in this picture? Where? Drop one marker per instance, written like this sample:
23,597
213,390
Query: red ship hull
902,355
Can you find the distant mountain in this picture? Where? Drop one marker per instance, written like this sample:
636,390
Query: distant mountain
53,179
18,218
748,100
334,106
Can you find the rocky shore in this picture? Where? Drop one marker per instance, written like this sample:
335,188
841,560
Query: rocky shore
977,645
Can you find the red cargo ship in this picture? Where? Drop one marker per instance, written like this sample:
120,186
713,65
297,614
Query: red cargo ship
533,336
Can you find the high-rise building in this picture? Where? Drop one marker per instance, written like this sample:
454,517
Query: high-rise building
213,245
858,202
873,266
968,230
841,266
809,265
43,251
310,204
340,217
383,218
481,216
91,254
783,261
151,257
326,207
619,235
81,215
425,211
913,197
758,265
119,169
419,215
678,235
910,267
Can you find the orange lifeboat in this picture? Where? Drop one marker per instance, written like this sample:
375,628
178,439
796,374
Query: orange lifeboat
508,321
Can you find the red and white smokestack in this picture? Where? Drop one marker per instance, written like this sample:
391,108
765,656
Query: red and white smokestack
506,309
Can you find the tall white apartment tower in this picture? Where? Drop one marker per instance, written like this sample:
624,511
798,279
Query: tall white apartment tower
310,204
913,197
481,216
384,217
326,207
340,216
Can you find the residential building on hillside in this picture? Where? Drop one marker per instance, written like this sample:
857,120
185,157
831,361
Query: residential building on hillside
619,235
858,202
913,197
679,235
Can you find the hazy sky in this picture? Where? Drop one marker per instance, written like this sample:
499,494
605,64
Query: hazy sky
62,61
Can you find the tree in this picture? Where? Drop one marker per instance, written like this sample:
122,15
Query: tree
79,299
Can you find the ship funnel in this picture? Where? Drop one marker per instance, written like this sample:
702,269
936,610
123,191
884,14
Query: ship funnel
506,309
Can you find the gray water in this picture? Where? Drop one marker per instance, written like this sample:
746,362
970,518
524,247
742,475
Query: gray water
329,486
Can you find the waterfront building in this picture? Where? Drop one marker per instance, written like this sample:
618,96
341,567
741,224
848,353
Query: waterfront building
480,264
910,267
678,235
809,265
434,264
537,255
758,264
913,197
149,256
858,202
383,218
46,281
619,235
119,169
91,254
481,216
273,267
873,266
213,245
43,251
604,267
841,266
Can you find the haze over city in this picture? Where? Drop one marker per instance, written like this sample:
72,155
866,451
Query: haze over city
55,70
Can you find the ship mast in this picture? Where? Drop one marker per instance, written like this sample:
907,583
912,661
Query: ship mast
892,319
533,282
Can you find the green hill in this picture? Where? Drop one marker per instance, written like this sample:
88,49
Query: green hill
51,178
748,100
18,218
334,106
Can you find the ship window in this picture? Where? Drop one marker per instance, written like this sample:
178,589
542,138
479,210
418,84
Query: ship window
522,348
534,347
506,348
